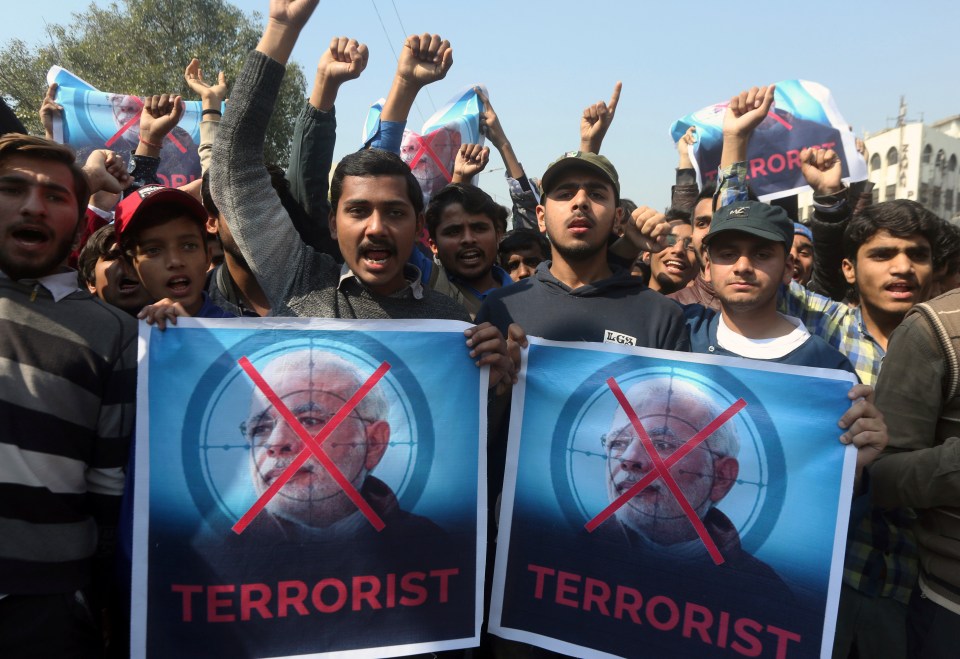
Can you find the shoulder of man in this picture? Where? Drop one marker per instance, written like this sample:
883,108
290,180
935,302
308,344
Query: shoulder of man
820,354
442,306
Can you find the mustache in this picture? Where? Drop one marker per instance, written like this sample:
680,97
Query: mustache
369,246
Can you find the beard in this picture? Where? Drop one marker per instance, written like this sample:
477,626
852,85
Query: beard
578,252
18,269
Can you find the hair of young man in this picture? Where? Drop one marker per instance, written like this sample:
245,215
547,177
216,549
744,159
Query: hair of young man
946,251
38,148
374,162
206,197
899,217
155,216
675,214
628,206
474,201
518,239
102,244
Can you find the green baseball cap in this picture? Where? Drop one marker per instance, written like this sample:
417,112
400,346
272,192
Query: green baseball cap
583,160
753,217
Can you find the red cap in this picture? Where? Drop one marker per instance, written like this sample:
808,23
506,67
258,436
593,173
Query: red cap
133,206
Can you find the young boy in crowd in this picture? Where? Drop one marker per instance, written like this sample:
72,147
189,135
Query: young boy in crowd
103,271
161,231
521,251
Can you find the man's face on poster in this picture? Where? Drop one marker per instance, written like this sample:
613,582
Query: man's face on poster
126,108
313,389
704,475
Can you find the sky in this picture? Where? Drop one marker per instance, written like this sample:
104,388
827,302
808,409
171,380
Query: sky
543,61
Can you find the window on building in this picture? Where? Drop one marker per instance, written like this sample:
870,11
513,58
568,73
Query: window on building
941,160
924,197
927,154
874,162
952,163
948,201
935,199
875,195
890,193
892,156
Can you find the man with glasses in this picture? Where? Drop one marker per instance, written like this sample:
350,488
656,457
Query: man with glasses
676,266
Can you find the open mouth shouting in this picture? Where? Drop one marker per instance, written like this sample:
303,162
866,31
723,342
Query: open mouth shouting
471,257
179,286
901,290
375,257
31,237
128,286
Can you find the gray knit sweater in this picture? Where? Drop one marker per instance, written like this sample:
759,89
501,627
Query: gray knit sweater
298,280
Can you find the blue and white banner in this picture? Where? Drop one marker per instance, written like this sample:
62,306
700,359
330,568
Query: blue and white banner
659,504
93,119
804,114
432,152
308,488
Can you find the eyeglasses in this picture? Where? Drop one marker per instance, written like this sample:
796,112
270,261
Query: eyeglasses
257,429
664,445
685,243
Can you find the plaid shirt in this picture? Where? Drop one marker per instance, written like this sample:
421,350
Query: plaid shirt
881,557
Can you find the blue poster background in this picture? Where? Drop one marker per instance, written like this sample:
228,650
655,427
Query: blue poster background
784,506
199,485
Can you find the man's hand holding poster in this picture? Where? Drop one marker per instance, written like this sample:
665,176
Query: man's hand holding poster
669,505
308,487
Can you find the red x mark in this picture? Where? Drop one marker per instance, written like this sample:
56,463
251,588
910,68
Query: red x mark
312,446
424,144
134,120
661,469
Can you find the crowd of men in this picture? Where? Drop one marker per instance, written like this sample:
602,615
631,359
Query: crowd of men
861,285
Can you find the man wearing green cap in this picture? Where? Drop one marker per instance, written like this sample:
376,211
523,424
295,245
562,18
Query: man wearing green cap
576,296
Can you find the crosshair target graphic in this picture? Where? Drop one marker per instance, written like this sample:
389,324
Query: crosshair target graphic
578,458
216,455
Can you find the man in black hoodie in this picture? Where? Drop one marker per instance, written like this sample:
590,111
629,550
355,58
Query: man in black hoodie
577,296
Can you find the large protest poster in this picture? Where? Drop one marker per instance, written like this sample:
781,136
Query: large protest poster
366,459
659,504
804,114
93,119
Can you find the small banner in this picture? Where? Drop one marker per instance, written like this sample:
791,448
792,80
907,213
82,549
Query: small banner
803,115
432,152
93,119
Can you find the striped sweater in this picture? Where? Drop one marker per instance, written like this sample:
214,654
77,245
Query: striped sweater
67,392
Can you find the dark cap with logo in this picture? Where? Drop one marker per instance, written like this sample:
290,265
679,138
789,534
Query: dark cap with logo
753,217
580,160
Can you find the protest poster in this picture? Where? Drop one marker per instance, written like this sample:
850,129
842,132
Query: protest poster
804,114
93,119
661,504
432,152
308,487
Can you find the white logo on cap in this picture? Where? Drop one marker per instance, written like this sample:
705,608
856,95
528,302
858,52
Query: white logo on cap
148,190
740,211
